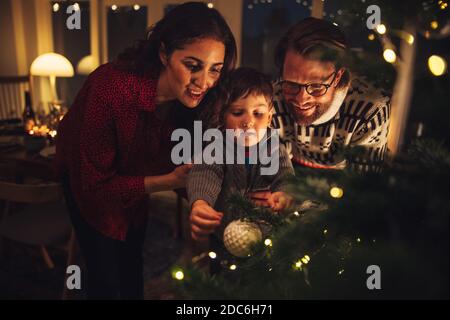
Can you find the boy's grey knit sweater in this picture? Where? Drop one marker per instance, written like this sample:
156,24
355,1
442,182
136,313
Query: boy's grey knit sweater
214,183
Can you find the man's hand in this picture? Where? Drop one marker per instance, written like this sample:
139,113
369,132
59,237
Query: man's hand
280,200
204,220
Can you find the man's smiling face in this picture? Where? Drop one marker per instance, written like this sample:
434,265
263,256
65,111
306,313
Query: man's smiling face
298,69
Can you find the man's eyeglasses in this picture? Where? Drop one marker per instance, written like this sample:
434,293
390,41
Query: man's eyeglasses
313,89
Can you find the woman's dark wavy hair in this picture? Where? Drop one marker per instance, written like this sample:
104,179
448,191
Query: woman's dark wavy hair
317,39
181,26
238,84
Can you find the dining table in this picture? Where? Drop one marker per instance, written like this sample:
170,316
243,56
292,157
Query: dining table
19,152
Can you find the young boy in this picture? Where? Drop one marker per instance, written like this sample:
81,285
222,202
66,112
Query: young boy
245,106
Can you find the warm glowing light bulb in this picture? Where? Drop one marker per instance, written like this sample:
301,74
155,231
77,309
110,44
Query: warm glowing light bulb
233,267
410,39
212,255
136,7
113,7
336,192
389,55
437,65
371,37
76,6
179,275
381,28
56,7
210,5
434,24
268,242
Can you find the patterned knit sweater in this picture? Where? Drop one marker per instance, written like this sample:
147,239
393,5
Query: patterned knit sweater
358,116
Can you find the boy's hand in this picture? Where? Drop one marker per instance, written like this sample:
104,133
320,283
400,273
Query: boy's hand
204,220
280,200
260,198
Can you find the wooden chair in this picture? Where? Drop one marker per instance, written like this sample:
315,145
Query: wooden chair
12,96
43,222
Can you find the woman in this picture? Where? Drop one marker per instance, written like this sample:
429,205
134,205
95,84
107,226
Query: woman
113,146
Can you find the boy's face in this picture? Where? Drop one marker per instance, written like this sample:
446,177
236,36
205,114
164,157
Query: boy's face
252,115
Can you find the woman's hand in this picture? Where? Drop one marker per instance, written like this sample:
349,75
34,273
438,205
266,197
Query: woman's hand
176,179
179,176
204,220
280,200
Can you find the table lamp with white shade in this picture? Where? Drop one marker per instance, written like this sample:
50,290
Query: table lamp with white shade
52,65
86,65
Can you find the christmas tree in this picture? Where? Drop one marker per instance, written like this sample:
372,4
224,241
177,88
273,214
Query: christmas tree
385,231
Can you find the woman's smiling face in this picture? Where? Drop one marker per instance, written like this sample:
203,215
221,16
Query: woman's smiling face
190,72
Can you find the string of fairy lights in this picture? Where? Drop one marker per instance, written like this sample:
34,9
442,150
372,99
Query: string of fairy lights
436,63
114,7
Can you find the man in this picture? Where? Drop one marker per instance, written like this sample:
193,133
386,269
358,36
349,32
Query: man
320,107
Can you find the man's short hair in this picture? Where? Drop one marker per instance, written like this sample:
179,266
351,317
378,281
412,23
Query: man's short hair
315,38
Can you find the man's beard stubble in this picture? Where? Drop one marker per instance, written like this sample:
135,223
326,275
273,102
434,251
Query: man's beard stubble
302,120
